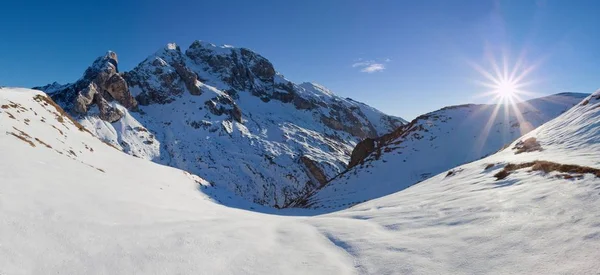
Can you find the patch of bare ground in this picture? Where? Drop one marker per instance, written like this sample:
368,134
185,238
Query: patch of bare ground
23,138
21,132
43,143
529,145
453,172
489,166
10,115
568,171
61,132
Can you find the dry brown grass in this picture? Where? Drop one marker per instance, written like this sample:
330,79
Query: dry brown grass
107,143
529,145
43,143
547,167
23,138
453,172
21,132
60,112
61,132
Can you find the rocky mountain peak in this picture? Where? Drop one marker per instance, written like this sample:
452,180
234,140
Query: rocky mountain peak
240,68
107,63
100,84
226,114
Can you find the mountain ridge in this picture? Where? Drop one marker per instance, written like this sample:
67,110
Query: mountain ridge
432,143
224,114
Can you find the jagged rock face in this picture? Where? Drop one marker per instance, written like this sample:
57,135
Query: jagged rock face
101,83
242,69
225,114
157,77
164,77
361,151
105,75
313,170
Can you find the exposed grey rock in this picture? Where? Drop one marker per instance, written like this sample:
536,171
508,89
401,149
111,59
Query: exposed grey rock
85,98
116,86
101,83
361,151
107,112
189,78
313,170
163,77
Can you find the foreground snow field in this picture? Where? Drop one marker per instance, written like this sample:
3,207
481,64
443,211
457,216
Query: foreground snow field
71,204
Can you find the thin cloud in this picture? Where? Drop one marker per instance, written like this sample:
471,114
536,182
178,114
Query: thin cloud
362,64
369,66
375,67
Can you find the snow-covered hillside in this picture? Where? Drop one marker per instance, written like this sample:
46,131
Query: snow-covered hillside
72,204
431,144
224,114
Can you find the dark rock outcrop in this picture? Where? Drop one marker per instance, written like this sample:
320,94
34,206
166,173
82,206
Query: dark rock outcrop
100,84
361,151
242,69
188,77
313,170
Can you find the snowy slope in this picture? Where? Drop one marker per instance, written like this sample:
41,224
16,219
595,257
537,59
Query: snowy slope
61,214
82,207
530,222
225,114
433,143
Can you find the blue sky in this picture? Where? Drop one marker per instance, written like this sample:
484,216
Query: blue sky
403,57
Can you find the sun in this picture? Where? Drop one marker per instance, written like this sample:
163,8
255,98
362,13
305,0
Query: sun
506,89
506,86
505,83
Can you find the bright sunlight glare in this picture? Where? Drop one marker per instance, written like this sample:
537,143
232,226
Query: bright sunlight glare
505,82
505,86
506,89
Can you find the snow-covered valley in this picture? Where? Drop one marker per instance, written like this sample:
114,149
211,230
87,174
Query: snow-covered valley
73,204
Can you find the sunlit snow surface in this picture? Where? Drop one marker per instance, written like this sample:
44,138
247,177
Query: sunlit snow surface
436,142
101,211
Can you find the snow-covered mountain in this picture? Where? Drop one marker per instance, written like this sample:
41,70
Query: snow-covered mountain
225,114
72,204
433,143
